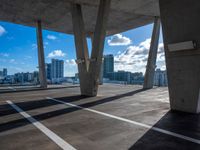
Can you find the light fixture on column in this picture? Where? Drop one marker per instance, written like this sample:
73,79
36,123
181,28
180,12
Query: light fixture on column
187,45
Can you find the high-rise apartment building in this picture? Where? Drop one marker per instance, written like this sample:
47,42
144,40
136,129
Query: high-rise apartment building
48,71
57,69
160,78
1,73
108,65
4,72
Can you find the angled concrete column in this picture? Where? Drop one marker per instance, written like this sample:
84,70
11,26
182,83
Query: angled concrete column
180,22
98,44
81,47
151,62
89,69
41,61
91,34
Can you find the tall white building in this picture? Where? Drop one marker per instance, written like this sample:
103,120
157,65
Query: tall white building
160,78
57,69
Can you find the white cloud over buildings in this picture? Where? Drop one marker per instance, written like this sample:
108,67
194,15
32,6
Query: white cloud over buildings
134,57
56,53
119,39
71,62
51,37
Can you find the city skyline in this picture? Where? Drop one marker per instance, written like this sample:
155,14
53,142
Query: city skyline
55,75
129,48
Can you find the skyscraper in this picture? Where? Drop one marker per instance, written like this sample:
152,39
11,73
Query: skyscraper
57,69
1,73
160,78
108,65
48,71
4,72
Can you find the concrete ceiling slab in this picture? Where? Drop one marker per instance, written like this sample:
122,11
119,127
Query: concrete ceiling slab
56,15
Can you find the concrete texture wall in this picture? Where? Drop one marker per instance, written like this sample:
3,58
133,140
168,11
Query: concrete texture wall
180,22
56,14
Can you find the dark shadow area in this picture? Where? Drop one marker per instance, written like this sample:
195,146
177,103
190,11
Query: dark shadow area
185,124
7,109
32,89
112,98
22,122
35,104
178,122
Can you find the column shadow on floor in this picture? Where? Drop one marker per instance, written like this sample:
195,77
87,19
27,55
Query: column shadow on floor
177,122
30,105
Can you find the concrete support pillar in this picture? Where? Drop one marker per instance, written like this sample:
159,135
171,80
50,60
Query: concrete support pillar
151,62
89,68
91,34
180,22
81,47
41,61
98,44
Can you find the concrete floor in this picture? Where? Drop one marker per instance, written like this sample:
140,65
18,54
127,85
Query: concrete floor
119,118
16,88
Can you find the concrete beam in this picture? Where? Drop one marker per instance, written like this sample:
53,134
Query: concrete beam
125,14
89,69
180,23
41,61
151,62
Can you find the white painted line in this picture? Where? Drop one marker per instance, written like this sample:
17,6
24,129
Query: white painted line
132,122
54,137
12,88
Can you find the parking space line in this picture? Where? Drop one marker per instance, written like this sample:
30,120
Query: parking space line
54,137
132,122
12,88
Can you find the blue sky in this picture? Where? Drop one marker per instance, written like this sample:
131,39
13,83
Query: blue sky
18,51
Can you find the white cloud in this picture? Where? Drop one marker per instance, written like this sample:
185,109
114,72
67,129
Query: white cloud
51,37
56,53
46,43
160,48
70,62
134,58
13,61
163,67
27,57
34,46
4,54
119,39
2,30
161,54
70,67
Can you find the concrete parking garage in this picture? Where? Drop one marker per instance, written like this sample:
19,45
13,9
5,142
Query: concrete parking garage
120,117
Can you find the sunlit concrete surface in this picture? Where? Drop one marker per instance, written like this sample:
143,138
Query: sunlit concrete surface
87,129
17,88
